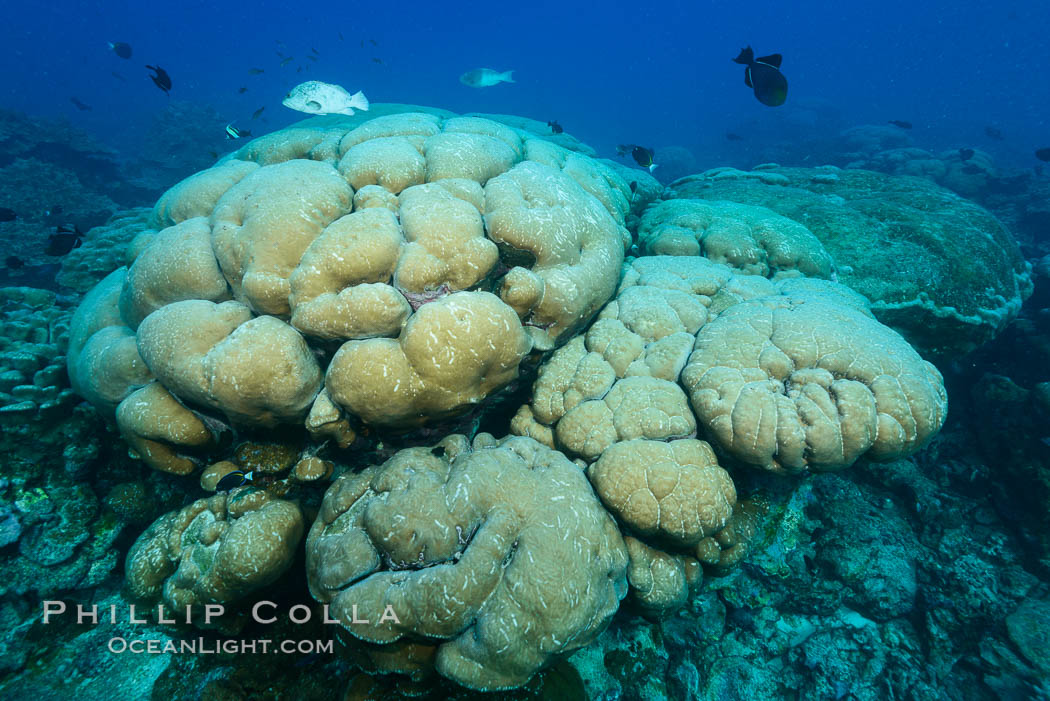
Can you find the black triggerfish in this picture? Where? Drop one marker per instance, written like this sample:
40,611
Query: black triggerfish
764,77
160,78
64,240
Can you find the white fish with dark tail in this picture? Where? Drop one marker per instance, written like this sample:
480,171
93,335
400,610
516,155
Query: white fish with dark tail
315,97
486,77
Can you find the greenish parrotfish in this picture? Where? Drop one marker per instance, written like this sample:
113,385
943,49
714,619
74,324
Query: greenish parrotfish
120,48
764,77
486,77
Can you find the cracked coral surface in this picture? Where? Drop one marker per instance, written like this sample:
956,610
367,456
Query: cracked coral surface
221,549
673,491
619,380
803,382
339,231
498,553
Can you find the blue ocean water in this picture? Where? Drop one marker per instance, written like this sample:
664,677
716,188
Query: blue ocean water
609,72
920,573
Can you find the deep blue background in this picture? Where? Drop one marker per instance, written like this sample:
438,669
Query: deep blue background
609,72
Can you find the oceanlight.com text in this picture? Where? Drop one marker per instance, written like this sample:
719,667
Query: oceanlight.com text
205,646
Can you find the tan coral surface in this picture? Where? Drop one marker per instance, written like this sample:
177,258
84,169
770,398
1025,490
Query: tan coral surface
748,238
421,255
498,553
674,491
798,382
619,380
217,550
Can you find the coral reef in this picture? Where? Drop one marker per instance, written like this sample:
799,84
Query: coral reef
34,334
215,551
323,302
939,269
52,174
103,249
414,260
180,140
496,554
45,195
753,240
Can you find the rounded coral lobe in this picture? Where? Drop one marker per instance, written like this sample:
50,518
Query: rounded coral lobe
498,554
406,264
799,382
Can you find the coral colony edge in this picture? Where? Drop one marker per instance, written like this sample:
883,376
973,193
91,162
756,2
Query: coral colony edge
413,404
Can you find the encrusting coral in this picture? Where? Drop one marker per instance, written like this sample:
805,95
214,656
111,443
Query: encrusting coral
938,268
751,239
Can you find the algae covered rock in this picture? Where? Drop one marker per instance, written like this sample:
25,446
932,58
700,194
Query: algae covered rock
938,268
